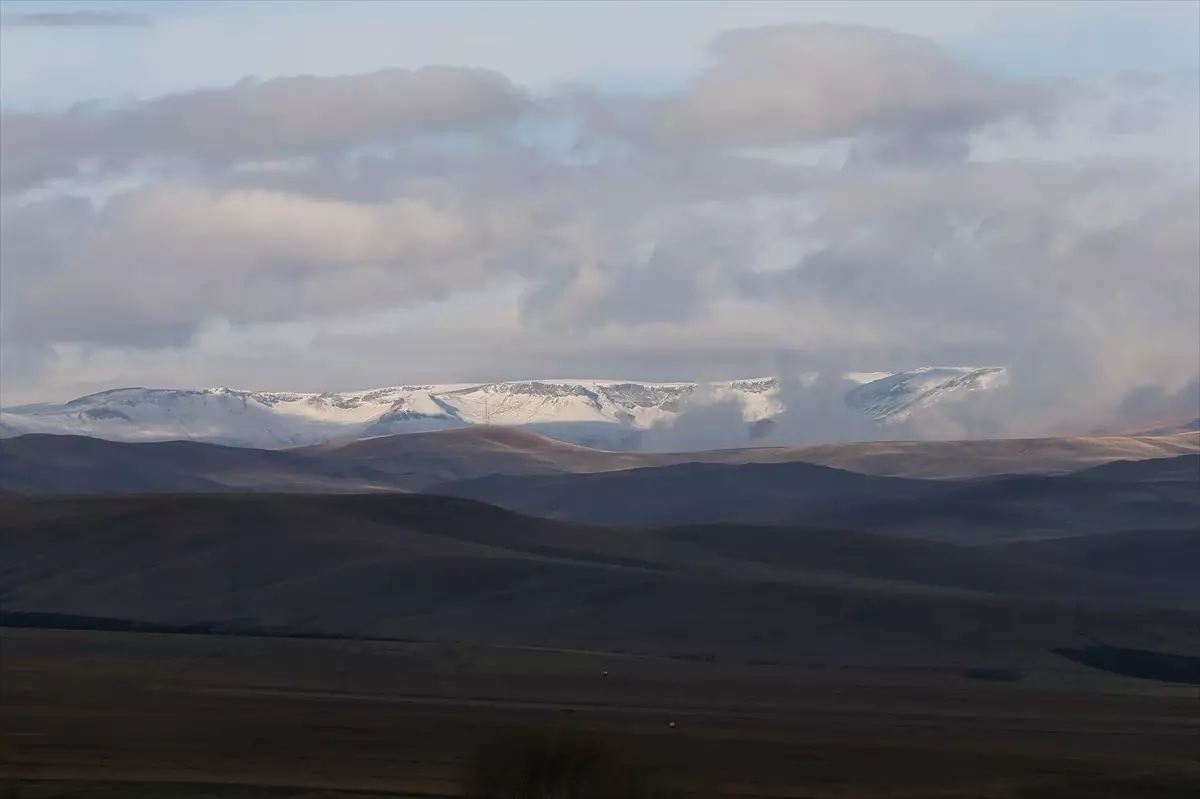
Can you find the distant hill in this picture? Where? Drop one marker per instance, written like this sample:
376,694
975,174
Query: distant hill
690,493
1181,467
420,459
435,568
981,458
1029,506
39,464
1155,493
52,464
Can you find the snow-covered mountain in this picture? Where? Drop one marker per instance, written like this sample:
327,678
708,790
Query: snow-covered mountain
894,398
602,413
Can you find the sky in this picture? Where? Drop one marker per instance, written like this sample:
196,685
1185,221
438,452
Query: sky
320,196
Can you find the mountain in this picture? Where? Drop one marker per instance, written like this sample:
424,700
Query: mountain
434,568
63,464
896,397
599,413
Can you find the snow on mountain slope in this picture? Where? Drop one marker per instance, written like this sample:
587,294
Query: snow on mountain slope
227,416
595,412
896,397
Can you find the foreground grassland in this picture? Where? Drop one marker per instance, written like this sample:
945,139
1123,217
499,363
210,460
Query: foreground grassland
88,714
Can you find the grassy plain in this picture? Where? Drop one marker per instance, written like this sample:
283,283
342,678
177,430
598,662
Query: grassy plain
140,715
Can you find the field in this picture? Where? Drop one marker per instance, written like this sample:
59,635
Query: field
102,714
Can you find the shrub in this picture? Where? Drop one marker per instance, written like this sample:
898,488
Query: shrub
556,764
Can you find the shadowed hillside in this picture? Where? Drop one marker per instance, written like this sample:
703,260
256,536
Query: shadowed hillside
43,464
693,493
438,568
1145,494
50,464
1167,558
1003,509
1181,467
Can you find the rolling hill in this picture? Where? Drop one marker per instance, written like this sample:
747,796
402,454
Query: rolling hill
1181,467
45,464
51,464
690,493
1167,558
1143,495
985,457
435,568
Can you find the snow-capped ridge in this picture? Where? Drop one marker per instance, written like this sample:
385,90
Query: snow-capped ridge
603,413
897,397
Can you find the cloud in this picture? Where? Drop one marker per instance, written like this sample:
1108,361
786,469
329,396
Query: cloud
790,84
1150,406
253,120
81,18
814,412
854,199
164,259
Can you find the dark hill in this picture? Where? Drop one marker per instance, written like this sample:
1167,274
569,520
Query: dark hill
44,464
986,510
437,568
50,464
1169,559
1001,509
693,493
1181,467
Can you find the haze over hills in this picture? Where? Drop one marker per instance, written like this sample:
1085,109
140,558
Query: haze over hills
1189,426
439,568
417,461
608,414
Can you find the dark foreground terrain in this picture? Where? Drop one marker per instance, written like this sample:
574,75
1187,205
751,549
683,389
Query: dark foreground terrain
778,631
417,567
101,714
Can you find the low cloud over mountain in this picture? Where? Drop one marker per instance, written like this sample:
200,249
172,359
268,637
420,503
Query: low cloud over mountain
801,198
